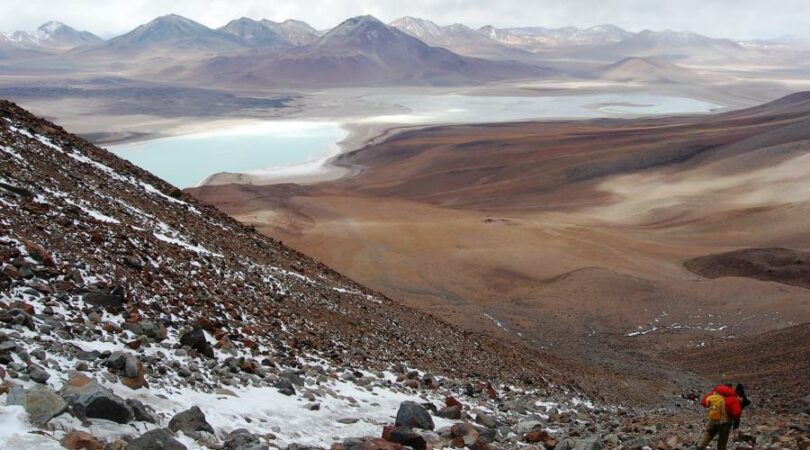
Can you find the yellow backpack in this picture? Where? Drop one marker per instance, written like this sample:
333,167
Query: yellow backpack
717,408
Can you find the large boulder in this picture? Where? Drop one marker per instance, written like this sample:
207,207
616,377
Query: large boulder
196,340
88,399
37,374
190,422
39,402
242,439
414,415
159,439
104,296
408,438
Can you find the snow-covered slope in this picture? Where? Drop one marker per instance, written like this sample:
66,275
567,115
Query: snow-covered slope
51,36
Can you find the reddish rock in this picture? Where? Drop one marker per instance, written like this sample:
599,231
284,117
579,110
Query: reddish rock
451,401
491,393
219,333
480,444
135,382
134,345
2,374
387,431
39,253
78,380
25,307
134,317
78,440
537,436
248,366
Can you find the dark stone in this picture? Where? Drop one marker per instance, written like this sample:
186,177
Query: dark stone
285,386
142,412
242,439
89,399
105,297
293,377
87,356
450,412
408,437
159,439
38,374
190,421
414,415
196,340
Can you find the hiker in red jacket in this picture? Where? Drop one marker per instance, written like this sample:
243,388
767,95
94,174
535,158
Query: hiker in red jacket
723,409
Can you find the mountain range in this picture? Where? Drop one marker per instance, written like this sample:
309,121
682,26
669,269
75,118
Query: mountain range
360,50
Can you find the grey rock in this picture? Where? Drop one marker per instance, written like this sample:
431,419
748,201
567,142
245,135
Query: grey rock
131,366
88,399
285,386
159,439
114,297
142,412
87,356
117,360
38,374
414,415
486,420
39,402
639,442
293,377
450,412
242,439
190,421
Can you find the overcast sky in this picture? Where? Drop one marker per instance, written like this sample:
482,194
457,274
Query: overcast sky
739,19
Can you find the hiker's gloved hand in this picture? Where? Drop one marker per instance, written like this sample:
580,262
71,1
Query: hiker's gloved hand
736,425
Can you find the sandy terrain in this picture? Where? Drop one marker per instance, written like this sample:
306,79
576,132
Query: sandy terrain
569,235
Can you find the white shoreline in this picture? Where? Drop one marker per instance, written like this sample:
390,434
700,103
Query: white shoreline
359,131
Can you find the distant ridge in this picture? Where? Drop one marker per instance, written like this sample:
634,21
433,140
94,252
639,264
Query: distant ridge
51,36
172,34
255,33
361,50
636,69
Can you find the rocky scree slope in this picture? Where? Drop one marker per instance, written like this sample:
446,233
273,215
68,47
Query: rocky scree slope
132,317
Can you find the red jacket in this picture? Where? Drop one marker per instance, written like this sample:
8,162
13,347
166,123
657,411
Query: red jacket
733,407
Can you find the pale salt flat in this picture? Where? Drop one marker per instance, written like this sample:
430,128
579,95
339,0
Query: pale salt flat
287,150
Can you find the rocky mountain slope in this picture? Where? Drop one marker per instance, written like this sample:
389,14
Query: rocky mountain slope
256,33
295,32
458,38
359,51
51,36
645,70
170,35
134,317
